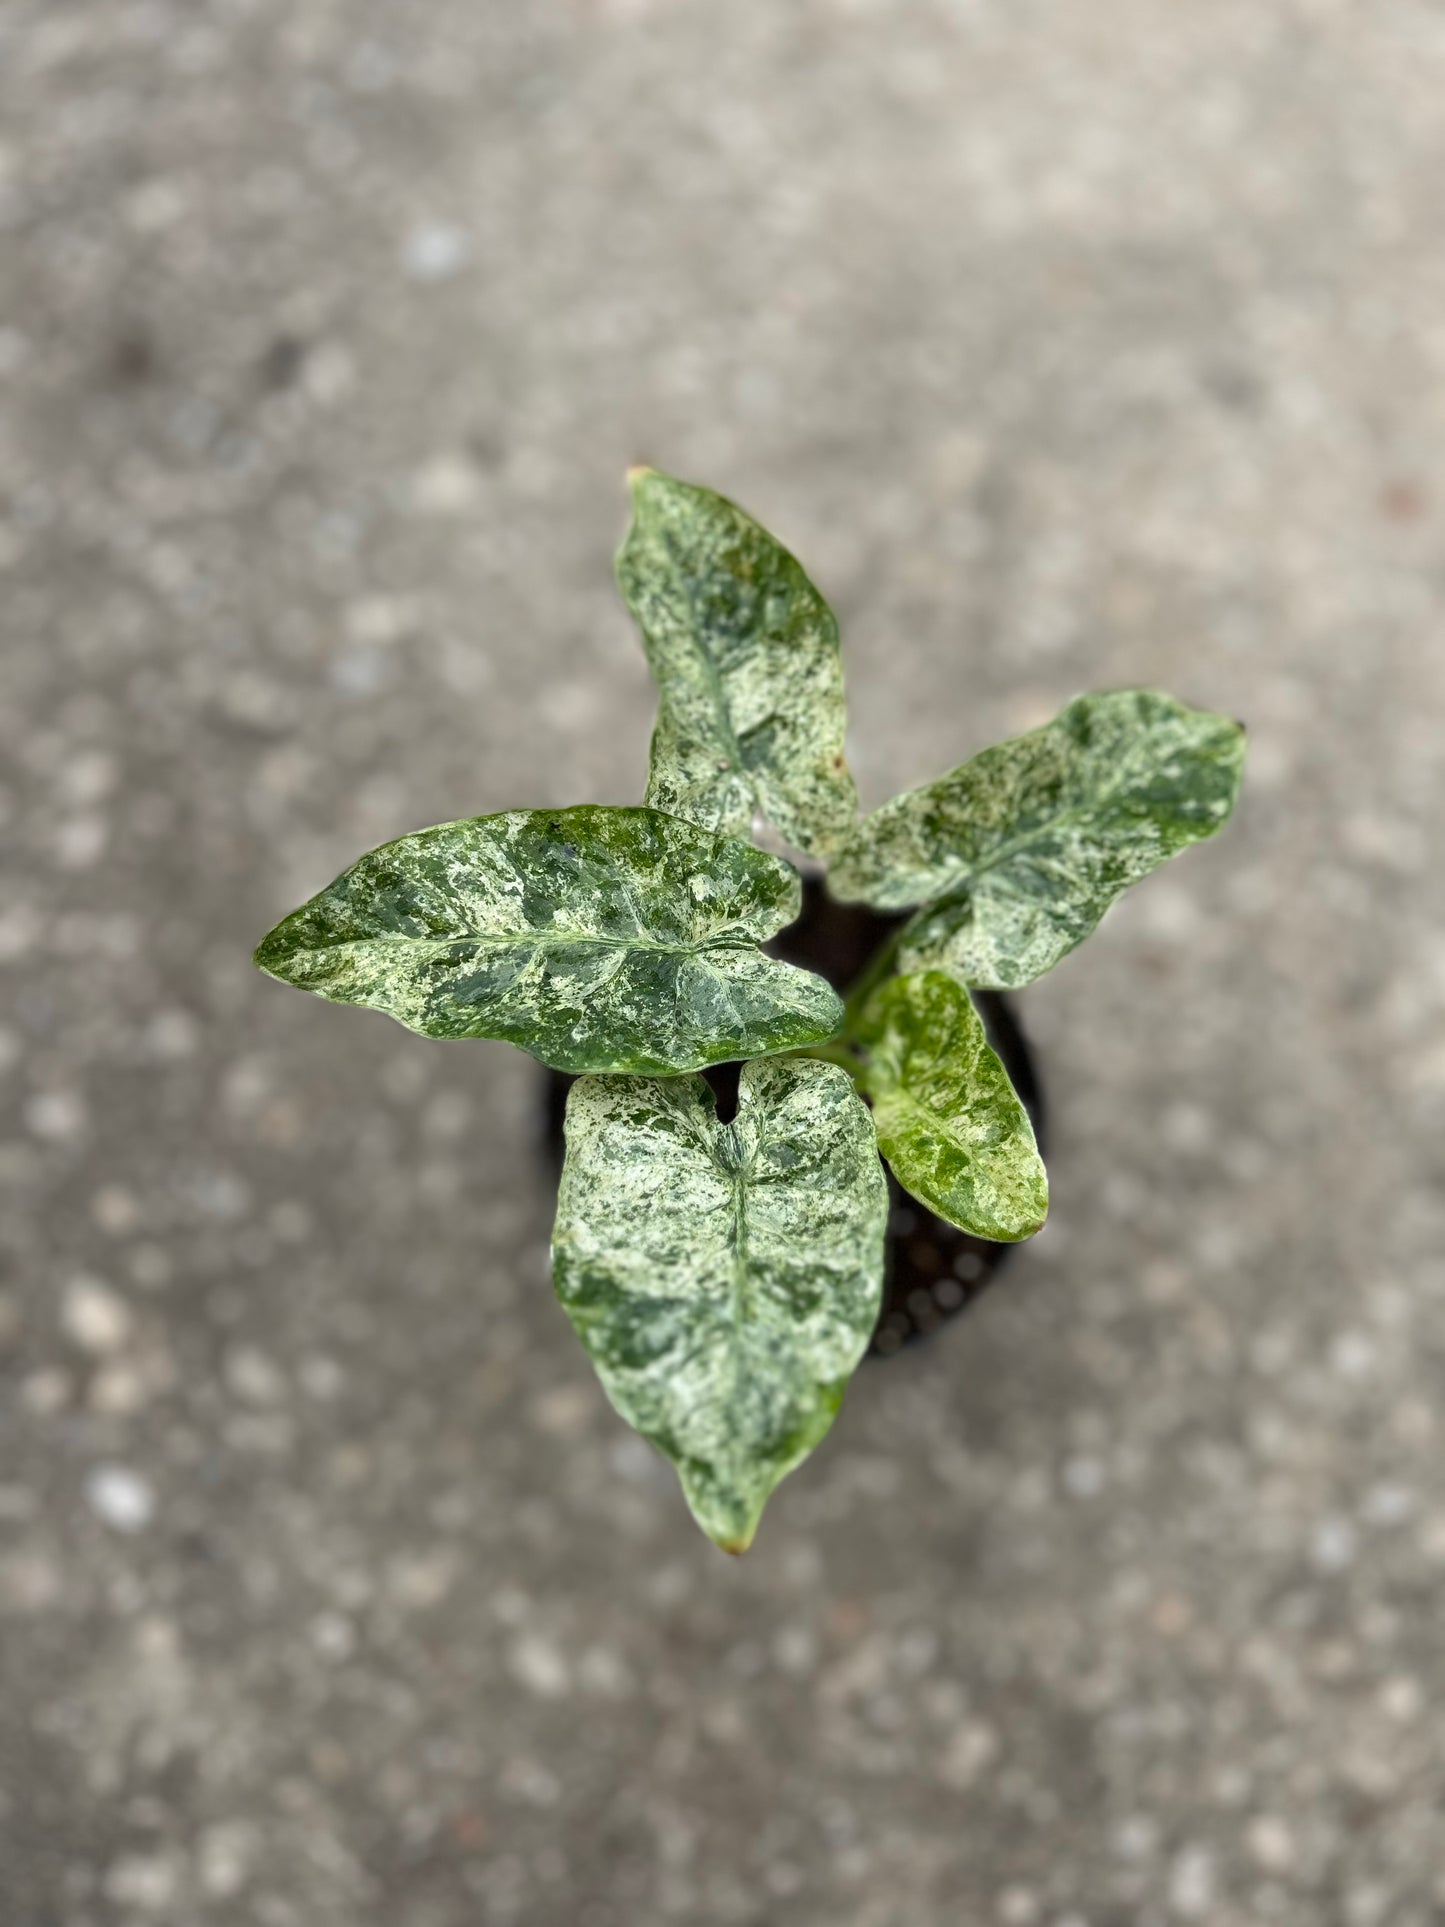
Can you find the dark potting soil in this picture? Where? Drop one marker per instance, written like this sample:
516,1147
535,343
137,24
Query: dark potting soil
932,1270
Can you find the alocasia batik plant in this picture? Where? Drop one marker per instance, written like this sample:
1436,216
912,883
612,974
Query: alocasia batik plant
725,1277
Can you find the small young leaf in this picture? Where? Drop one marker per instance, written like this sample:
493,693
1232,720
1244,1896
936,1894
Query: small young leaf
725,1278
744,651
1023,848
948,1119
596,938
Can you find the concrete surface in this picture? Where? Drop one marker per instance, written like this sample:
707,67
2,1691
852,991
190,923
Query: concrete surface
1071,346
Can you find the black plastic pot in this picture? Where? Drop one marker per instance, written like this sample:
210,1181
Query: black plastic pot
932,1270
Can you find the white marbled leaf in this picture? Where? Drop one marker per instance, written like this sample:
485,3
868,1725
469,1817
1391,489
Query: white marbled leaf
1018,853
725,1278
948,1120
744,651
597,939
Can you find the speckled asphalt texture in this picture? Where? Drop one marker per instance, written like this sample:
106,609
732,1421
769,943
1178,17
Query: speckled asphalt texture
1071,346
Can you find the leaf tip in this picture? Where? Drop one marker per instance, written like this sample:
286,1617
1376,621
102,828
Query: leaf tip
1028,1228
638,474
265,956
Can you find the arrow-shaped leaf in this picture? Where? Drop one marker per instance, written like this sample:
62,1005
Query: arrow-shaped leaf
1023,848
948,1119
744,651
725,1278
597,939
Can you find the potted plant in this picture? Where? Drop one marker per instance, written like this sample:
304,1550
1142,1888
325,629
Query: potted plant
724,1268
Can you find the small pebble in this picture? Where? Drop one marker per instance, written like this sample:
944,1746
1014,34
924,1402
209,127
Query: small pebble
1271,1844
1332,1547
147,1883
115,1210
539,1666
435,252
94,1317
224,1855
120,1498
1191,1883
57,1117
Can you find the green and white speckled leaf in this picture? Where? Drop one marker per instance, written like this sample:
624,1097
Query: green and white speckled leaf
744,651
725,1278
597,939
948,1119
1023,848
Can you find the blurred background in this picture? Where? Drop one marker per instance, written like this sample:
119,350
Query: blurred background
1069,346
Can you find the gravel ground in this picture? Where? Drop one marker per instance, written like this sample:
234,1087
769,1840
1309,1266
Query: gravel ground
1071,346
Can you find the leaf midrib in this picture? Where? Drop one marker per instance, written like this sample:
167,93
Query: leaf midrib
712,674
545,940
938,1120
966,879
741,1294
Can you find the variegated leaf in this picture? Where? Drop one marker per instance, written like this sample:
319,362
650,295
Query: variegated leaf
597,939
725,1278
1022,849
745,654
948,1119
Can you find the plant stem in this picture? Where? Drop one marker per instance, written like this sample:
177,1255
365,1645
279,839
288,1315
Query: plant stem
873,973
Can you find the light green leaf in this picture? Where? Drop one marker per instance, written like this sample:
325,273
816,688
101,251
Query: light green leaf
744,651
1025,847
948,1119
597,939
725,1278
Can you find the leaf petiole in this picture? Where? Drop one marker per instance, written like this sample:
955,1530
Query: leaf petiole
876,971
837,1051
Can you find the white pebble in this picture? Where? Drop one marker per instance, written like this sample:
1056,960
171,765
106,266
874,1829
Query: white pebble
1191,1883
1332,1547
1271,1844
606,1673
1136,1837
333,1635
421,1580
970,1752
253,1377
1018,1907
20,928
117,1391
171,1035
120,1498
448,485
321,1377
434,252
146,1882
1388,1505
1084,1477
539,1666
94,1317
115,1210
529,1780
89,777
59,1117
1353,1355
224,1858
1402,1698
80,842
